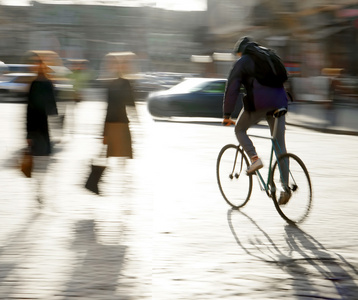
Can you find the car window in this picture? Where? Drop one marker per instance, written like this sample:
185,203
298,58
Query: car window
214,87
13,68
188,86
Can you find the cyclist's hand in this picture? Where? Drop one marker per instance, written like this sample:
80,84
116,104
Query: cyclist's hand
228,122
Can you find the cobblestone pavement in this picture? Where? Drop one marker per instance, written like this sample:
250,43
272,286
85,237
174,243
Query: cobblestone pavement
161,229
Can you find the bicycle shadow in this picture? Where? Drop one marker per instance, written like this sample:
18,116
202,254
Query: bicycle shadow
308,264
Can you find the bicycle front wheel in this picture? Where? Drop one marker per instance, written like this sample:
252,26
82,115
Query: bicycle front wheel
234,184
298,186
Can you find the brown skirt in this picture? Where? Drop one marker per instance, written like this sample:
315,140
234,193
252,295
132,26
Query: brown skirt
118,139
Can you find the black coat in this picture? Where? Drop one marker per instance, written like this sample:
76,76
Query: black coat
120,95
41,103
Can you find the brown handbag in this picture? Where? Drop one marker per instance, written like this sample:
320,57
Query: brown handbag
27,164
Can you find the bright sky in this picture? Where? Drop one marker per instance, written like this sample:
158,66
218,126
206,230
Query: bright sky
166,4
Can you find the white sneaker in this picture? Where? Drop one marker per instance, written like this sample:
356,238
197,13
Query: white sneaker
284,198
257,164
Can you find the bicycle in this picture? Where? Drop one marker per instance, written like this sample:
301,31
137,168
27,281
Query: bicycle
236,186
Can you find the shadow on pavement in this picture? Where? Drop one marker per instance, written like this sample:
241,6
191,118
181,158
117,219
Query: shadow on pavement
11,258
98,266
303,258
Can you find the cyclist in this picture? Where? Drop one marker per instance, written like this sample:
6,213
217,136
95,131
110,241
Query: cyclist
259,103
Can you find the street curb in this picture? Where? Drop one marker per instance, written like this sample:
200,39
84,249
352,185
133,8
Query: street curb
325,130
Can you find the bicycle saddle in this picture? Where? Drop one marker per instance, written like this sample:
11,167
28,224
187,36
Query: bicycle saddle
279,112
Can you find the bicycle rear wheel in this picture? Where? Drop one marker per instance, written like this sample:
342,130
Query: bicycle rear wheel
234,184
299,185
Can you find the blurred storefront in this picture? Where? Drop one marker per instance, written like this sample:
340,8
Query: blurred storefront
308,35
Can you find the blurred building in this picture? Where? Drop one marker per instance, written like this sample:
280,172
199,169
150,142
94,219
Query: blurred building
172,37
159,37
14,32
86,31
309,35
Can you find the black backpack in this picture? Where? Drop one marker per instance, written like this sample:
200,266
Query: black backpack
269,68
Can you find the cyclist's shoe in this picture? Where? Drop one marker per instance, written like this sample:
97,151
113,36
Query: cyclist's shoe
284,197
257,164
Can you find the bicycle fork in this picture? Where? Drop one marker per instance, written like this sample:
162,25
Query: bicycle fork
237,175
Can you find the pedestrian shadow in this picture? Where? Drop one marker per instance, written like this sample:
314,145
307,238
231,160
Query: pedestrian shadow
308,264
12,254
97,268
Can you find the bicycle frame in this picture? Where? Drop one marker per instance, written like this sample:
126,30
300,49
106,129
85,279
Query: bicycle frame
275,148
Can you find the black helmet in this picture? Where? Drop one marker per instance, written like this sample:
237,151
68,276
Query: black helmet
241,44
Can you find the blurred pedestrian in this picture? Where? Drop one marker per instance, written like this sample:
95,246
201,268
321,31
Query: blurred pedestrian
120,94
41,103
80,78
116,132
334,90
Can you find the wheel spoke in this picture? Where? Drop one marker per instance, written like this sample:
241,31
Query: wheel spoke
235,188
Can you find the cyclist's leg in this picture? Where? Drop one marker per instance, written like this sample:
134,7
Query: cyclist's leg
280,136
244,122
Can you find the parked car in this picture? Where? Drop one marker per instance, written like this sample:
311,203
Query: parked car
145,85
18,84
155,81
193,97
18,68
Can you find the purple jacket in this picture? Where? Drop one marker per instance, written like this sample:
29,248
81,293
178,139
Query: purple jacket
258,97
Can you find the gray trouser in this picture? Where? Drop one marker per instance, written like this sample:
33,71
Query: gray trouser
247,119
